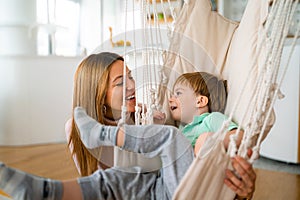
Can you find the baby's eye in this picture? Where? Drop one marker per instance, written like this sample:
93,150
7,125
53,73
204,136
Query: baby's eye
178,93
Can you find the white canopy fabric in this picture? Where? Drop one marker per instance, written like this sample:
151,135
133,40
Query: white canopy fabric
205,177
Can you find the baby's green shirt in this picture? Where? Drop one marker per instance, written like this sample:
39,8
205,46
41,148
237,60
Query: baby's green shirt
206,122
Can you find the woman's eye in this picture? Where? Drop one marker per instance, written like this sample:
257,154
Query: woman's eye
119,83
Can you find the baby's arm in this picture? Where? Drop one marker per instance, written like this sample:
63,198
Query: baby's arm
200,141
202,138
159,117
238,139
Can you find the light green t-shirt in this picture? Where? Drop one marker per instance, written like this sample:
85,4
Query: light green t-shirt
207,122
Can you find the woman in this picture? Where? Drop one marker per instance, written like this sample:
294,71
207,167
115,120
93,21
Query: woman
98,87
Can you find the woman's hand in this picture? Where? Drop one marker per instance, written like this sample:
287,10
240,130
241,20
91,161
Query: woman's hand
242,181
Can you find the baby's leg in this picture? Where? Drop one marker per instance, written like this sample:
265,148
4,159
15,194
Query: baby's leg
21,185
167,142
92,133
120,183
114,183
153,140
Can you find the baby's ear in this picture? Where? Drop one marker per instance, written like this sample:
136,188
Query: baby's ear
202,101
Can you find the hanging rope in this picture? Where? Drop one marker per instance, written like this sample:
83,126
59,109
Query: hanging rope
124,107
267,87
137,114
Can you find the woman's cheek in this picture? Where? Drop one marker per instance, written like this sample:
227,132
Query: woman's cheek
116,99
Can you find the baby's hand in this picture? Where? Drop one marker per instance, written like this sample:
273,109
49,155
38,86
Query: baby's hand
159,117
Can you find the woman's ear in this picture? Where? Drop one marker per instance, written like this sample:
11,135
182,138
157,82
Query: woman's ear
202,101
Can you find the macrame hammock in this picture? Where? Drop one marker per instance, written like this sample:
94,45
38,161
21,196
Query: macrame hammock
246,54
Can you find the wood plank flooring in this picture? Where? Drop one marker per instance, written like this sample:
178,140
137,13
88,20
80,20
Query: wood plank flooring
54,161
51,160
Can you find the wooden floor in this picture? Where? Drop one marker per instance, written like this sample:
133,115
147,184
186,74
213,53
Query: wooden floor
54,161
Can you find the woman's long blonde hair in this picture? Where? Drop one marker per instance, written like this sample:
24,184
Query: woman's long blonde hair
89,92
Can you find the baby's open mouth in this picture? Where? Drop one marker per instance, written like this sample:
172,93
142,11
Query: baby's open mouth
173,107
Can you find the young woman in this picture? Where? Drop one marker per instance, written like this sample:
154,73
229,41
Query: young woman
98,87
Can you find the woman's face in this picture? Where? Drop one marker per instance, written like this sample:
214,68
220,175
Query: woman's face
114,95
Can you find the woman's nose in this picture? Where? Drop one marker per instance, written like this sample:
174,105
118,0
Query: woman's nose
130,84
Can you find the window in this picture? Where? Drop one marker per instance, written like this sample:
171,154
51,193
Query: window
58,27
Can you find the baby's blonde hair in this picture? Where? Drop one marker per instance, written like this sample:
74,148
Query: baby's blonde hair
207,85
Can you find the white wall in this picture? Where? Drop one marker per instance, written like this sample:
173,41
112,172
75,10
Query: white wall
35,98
90,25
16,17
282,142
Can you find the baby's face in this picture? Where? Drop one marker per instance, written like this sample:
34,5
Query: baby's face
182,103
